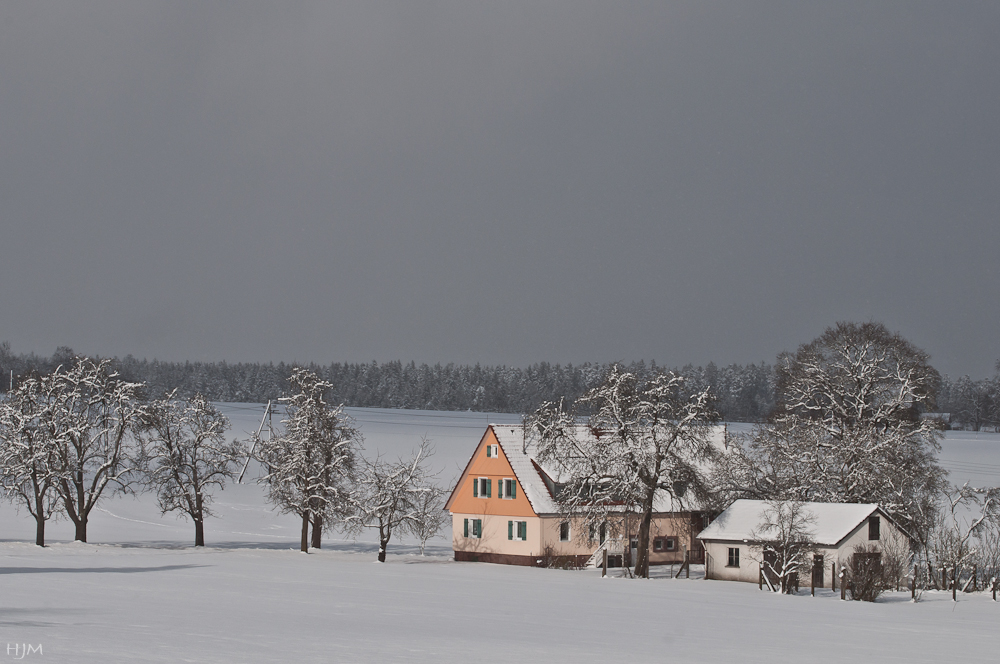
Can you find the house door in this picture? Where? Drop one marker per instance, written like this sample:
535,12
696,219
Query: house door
819,565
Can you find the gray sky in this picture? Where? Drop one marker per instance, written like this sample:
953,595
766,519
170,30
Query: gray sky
498,182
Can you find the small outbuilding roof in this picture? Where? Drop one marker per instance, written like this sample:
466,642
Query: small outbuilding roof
831,522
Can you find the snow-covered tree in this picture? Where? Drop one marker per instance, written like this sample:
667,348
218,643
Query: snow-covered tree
28,453
311,466
187,454
783,543
395,497
645,438
93,416
847,428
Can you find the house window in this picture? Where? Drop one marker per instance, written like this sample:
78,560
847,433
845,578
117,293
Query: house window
472,528
507,489
665,544
517,530
492,451
482,487
873,527
734,557
564,531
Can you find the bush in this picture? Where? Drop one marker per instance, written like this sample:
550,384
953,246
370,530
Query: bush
865,573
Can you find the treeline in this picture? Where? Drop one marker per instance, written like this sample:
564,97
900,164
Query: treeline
744,393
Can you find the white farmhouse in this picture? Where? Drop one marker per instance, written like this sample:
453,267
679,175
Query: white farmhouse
732,554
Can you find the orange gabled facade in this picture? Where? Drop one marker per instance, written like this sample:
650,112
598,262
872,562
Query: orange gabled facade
494,469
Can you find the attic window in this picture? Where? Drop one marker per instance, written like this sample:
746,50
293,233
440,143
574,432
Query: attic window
482,487
506,488
492,451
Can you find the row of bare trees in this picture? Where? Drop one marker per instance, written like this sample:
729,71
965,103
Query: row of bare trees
71,436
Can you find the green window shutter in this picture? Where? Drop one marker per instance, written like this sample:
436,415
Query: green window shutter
489,488
475,488
522,530
489,448
466,527
510,530
478,527
513,489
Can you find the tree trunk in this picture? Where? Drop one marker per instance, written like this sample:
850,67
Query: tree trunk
305,533
39,520
81,529
642,554
199,520
383,544
317,531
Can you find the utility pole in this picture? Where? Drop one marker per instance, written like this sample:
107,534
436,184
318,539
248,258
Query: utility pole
256,437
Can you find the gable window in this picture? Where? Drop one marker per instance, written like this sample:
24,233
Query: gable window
564,531
734,557
472,528
492,451
517,530
482,487
874,527
506,488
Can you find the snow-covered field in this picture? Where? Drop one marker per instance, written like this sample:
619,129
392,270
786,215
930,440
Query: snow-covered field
139,592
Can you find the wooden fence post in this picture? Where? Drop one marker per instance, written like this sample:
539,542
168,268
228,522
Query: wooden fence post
833,577
760,577
604,570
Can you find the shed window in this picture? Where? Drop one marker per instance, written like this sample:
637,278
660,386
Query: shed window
874,526
734,557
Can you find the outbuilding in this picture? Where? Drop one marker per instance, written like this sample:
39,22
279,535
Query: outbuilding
733,541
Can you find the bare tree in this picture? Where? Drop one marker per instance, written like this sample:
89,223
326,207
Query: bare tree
431,517
977,402
28,453
311,467
186,449
645,439
93,416
784,544
394,497
968,513
847,428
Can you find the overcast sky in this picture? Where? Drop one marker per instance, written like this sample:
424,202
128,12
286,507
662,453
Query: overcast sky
498,182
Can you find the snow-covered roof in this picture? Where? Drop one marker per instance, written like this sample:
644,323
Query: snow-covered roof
832,522
531,473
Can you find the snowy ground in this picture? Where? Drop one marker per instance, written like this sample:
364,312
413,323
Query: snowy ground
140,592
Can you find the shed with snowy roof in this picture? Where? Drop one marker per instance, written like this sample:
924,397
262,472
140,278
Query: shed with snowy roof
504,510
733,541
